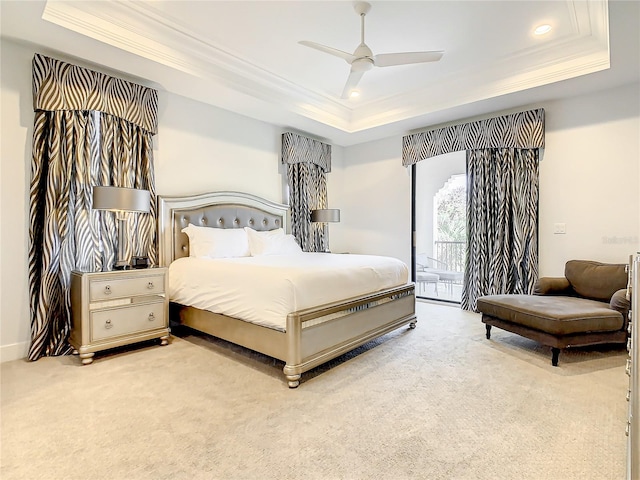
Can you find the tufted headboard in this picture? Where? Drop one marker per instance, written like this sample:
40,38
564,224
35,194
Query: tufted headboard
216,210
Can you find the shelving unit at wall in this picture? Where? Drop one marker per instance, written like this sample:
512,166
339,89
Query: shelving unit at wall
633,370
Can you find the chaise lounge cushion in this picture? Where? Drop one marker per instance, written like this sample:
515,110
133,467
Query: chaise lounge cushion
553,315
595,280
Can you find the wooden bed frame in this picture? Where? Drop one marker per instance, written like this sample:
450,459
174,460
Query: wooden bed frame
313,336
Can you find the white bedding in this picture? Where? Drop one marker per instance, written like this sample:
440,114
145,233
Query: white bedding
264,289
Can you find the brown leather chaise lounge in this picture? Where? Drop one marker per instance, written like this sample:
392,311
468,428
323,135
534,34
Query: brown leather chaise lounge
587,306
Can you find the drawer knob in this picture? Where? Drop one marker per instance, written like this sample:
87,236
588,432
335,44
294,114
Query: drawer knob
107,290
108,324
152,317
150,285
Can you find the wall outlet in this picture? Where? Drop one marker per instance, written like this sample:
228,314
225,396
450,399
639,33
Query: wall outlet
559,228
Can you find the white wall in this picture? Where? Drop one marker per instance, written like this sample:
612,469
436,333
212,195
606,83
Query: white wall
374,197
16,128
589,179
198,148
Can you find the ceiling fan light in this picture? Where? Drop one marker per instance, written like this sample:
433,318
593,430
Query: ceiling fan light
542,29
363,58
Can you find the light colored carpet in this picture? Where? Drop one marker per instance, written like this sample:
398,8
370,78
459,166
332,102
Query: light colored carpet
437,402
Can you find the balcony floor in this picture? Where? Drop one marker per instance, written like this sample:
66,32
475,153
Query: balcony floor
449,292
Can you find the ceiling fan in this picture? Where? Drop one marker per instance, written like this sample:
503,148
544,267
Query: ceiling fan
363,59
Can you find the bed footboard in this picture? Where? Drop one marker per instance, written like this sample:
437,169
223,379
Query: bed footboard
319,334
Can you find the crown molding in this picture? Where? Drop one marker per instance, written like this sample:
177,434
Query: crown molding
129,27
585,50
141,29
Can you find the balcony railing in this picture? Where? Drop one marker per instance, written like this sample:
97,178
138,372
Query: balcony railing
452,254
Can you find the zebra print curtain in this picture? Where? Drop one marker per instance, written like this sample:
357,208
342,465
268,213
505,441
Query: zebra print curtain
89,129
62,86
126,160
522,130
502,223
307,191
308,161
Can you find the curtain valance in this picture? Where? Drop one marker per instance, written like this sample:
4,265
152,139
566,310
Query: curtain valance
520,130
300,149
59,85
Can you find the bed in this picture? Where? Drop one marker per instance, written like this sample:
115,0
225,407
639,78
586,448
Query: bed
309,336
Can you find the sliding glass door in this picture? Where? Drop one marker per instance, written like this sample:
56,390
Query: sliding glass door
439,224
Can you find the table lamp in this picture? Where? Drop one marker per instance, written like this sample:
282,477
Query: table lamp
121,200
325,215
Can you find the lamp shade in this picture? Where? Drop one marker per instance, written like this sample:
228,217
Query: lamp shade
121,199
325,215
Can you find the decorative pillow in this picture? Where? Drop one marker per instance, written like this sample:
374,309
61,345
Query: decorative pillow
217,242
595,280
272,242
285,246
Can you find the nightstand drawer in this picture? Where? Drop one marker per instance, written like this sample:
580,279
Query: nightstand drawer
105,289
125,320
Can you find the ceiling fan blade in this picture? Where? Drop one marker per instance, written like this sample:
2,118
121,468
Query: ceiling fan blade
331,51
352,82
406,58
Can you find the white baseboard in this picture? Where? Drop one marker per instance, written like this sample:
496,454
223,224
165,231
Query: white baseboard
15,351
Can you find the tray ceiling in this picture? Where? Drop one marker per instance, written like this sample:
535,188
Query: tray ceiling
245,56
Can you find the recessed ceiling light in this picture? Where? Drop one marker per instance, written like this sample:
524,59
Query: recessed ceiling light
542,29
354,94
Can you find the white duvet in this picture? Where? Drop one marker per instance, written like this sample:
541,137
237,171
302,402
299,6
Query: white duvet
265,289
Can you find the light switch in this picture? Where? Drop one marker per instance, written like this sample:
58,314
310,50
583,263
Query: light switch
559,228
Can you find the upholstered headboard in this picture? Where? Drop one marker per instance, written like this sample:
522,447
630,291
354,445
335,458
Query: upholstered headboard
216,210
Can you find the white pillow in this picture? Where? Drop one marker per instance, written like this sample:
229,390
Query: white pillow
217,242
272,242
288,246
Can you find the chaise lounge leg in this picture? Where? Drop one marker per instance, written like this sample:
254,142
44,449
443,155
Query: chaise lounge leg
488,327
554,356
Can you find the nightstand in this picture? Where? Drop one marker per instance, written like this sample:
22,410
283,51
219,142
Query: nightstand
112,309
